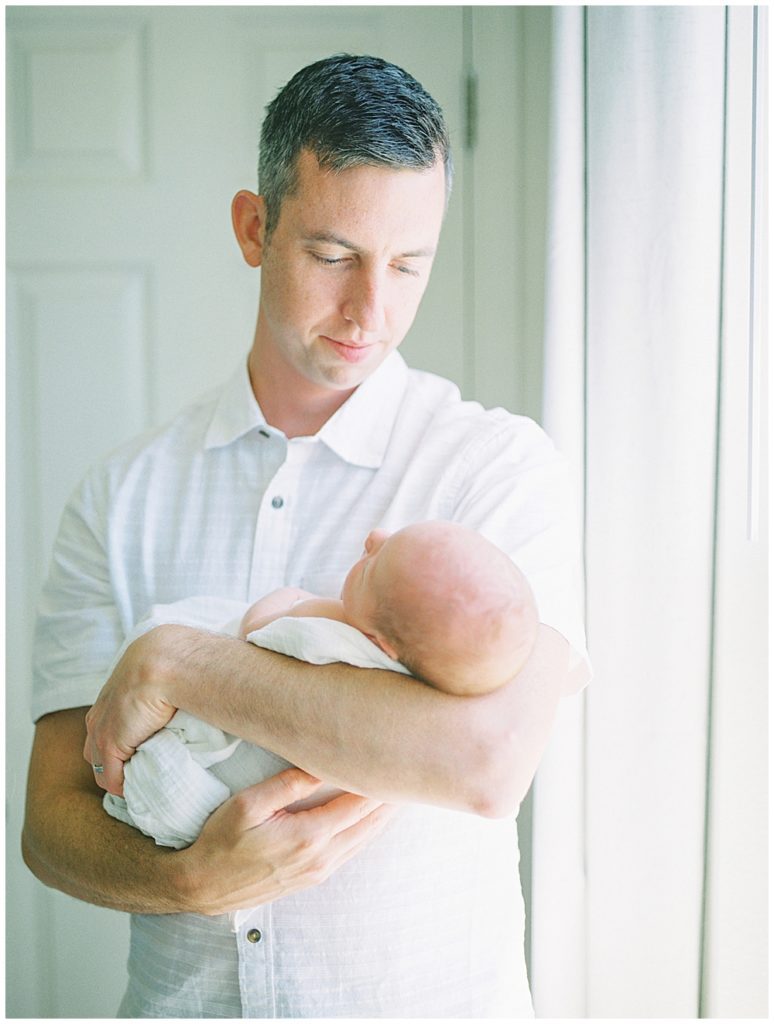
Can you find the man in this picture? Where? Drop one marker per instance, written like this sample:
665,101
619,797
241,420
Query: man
364,909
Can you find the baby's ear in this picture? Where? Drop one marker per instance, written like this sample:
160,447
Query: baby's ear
387,647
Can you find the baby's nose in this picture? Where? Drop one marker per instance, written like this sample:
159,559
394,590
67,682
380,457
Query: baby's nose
375,539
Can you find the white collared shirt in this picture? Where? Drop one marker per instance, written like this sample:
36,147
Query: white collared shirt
428,921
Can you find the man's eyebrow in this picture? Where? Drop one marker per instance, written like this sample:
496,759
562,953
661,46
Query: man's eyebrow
328,236
419,253
344,243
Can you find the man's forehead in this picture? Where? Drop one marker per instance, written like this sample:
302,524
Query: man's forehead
366,208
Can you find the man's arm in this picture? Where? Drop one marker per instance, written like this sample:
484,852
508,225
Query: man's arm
250,852
364,730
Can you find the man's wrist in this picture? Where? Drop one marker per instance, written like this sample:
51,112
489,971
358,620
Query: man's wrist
165,649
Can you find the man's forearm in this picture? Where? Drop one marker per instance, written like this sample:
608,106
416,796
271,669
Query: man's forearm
136,882
364,730
372,732
68,835
251,850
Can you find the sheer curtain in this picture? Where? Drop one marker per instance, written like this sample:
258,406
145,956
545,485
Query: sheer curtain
649,840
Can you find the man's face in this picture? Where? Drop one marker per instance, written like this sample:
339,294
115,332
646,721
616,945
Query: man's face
344,271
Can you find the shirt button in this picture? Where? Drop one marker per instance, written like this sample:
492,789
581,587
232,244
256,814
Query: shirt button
253,935
277,502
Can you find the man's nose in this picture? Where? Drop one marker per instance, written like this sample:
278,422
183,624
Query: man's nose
364,303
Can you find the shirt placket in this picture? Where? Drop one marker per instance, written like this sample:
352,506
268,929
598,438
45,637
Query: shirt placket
255,943
277,514
271,550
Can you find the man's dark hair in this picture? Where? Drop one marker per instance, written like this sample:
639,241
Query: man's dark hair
349,111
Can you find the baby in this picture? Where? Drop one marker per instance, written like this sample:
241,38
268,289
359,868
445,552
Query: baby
434,600
436,597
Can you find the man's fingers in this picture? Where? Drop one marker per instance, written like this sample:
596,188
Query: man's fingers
340,813
343,846
108,770
264,799
111,777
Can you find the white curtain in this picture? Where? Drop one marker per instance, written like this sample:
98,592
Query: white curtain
644,903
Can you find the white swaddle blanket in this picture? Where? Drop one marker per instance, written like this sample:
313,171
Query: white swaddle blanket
180,775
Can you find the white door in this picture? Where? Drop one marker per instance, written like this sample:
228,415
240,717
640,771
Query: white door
129,131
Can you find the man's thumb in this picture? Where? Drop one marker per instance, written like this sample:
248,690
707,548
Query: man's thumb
277,792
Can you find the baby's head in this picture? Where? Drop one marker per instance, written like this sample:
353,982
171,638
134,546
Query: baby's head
445,602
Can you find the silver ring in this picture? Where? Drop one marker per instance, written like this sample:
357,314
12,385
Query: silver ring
98,768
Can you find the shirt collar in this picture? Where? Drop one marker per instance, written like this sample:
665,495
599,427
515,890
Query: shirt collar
236,411
358,432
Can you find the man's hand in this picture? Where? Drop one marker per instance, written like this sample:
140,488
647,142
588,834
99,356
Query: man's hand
129,709
253,850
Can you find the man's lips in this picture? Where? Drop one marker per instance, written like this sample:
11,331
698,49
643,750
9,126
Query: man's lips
349,350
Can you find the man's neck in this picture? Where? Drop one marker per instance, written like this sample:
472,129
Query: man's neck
298,412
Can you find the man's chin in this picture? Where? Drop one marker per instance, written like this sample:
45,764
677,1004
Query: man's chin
347,377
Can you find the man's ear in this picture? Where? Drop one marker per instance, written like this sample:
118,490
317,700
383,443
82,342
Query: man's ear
248,215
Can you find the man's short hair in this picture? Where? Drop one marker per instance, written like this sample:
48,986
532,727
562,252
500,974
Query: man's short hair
349,111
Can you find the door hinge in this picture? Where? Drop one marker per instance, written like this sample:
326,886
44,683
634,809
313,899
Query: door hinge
471,109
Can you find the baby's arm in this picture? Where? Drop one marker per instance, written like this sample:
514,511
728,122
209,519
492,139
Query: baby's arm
290,601
318,608
272,606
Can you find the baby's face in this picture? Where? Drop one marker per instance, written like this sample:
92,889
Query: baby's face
359,593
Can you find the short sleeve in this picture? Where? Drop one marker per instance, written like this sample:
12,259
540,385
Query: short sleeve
514,488
78,627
